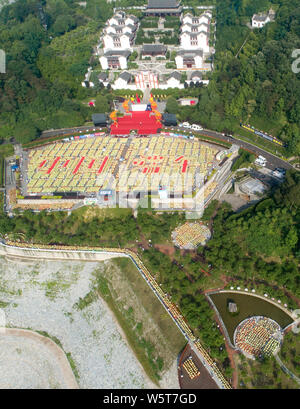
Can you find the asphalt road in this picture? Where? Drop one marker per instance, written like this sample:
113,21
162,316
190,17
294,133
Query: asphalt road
273,161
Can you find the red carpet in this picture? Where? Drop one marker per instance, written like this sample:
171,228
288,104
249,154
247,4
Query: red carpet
141,122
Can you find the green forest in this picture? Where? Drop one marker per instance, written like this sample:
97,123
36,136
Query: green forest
256,84
253,81
48,47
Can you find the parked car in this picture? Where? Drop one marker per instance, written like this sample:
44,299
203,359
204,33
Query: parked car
196,127
260,162
281,170
278,174
186,125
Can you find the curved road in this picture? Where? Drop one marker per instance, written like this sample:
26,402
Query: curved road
286,370
272,160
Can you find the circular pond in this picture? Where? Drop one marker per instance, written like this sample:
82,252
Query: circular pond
247,306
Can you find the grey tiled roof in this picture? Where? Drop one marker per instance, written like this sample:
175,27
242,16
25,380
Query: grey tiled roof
192,53
163,4
125,76
196,74
148,48
260,17
176,75
111,53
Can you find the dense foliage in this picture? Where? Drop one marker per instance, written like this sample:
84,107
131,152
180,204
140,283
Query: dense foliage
256,83
262,242
48,48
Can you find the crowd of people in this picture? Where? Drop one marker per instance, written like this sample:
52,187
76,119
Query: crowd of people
83,165
258,336
190,235
191,369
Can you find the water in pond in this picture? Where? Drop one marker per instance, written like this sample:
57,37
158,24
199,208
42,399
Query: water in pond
248,305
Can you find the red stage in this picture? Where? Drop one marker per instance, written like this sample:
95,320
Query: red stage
141,122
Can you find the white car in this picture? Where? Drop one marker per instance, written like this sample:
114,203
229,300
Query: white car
260,162
195,127
186,125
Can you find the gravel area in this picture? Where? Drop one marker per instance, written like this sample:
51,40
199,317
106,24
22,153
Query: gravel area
41,296
38,365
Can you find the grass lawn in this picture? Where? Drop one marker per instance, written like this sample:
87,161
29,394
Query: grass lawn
152,305
149,330
89,212
259,141
267,125
1,202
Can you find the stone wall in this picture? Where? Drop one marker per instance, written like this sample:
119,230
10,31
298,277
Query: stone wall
10,251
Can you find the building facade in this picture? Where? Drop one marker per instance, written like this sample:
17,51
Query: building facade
146,79
194,40
163,8
114,59
189,59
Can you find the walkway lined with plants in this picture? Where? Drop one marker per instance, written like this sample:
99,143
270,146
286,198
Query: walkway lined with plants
165,299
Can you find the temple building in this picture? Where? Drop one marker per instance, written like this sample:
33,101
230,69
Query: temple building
163,8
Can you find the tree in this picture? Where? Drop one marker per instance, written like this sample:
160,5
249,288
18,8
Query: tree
62,24
172,106
102,104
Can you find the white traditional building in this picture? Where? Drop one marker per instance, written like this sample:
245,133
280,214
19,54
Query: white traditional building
118,42
121,19
194,37
146,79
174,80
115,59
195,41
195,28
123,81
114,29
118,39
261,19
86,82
189,59
197,20
103,78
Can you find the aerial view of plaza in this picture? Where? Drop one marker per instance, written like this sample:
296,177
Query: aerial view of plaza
150,196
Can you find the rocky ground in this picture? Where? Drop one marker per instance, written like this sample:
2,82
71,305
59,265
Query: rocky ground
41,296
36,362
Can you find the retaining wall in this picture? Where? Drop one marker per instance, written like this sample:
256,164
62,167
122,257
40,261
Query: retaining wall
48,254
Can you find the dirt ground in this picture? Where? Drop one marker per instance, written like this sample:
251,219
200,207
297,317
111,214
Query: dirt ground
203,381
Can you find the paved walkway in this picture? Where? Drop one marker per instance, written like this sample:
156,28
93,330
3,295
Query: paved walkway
286,370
